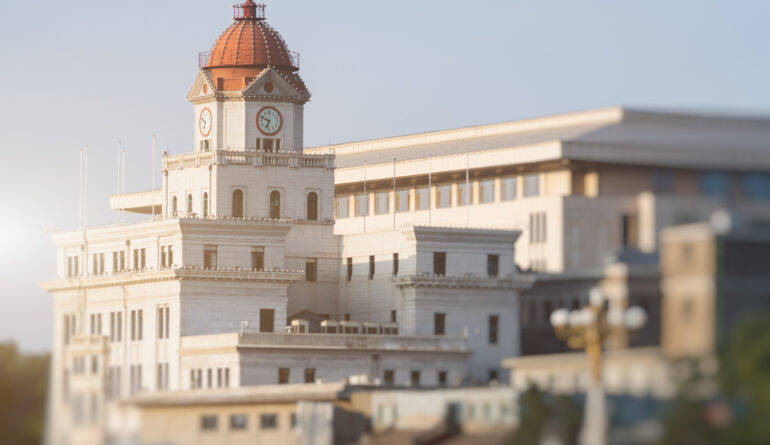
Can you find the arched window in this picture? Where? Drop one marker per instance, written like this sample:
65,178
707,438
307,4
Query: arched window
275,204
189,204
205,205
173,206
312,206
238,203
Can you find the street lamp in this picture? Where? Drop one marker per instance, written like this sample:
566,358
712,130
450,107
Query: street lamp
587,329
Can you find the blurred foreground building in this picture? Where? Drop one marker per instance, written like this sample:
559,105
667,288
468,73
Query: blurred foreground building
419,260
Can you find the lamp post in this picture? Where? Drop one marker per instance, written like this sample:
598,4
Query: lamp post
587,329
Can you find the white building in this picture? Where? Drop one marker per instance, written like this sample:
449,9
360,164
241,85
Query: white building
414,233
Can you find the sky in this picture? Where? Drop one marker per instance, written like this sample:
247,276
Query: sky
94,72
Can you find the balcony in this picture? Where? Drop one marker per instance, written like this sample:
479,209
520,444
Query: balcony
251,157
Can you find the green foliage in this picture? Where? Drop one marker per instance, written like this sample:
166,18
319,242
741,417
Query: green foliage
544,414
23,386
739,414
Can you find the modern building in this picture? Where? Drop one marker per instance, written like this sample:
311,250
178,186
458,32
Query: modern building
427,258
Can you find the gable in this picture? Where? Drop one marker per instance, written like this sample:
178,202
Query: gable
271,85
202,87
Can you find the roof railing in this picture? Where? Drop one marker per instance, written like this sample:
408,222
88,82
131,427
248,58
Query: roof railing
203,59
249,11
294,59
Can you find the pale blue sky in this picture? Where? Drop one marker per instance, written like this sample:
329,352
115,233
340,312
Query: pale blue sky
77,72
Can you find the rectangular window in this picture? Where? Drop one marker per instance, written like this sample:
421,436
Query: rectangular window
493,375
350,268
342,205
115,261
442,378
537,228
439,263
402,201
142,258
239,421
362,205
119,328
444,196
423,198
493,263
170,256
133,325
464,194
257,258
393,316
487,191
389,377
267,144
439,319
508,188
311,269
382,207
122,262
209,423
136,259
395,264
347,316
756,185
714,183
209,256
95,264
162,322
371,267
268,421
163,256
630,230
531,185
283,376
662,181
415,378
493,326
266,317
309,375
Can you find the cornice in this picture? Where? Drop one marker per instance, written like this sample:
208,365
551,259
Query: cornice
464,282
184,273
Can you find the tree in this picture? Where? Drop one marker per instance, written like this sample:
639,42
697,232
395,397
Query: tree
23,386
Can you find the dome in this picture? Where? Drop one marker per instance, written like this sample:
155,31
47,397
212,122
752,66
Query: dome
248,47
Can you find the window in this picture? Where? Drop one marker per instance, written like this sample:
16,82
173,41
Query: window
547,310
508,188
257,258
443,196
662,181
309,375
439,263
442,378
136,325
283,376
423,198
494,320
487,191
196,378
402,201
122,264
96,324
347,316
342,204
311,269
209,423
492,378
267,145
393,316
537,227
239,421
210,256
266,317
237,203
188,209
163,320
275,204
205,145
714,183
464,194
116,326
415,378
389,377
493,262
756,185
383,204
72,266
136,378
350,268
174,208
371,267
312,206
439,319
140,259
162,376
630,231
531,185
205,205
395,264
268,421
362,205
115,262
170,256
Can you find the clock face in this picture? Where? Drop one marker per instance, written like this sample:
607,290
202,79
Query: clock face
204,122
269,121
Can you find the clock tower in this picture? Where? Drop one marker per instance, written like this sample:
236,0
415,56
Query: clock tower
248,95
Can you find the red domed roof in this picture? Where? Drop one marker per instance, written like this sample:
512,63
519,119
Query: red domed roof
249,46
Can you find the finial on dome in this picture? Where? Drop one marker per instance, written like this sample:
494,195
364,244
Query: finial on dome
249,10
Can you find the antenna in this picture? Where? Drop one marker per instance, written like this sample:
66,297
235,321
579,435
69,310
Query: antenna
80,191
123,185
117,185
85,191
154,143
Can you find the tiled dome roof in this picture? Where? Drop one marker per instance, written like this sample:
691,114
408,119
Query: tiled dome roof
249,46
